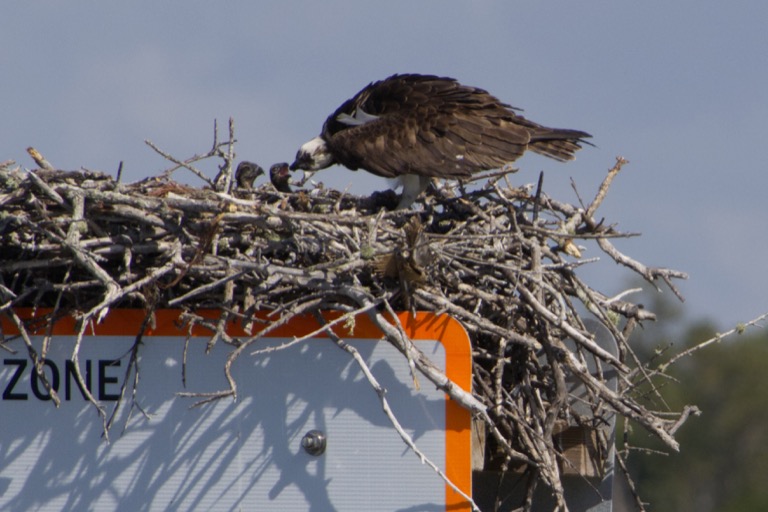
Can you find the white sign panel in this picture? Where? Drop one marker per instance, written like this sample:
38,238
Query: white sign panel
247,454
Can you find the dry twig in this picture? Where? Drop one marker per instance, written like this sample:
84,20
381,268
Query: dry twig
499,260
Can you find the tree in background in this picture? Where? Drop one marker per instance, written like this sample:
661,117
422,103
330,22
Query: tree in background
723,461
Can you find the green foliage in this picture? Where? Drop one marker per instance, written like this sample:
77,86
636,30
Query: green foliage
723,462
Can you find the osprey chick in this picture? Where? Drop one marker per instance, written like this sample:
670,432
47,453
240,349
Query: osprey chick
246,174
280,177
416,127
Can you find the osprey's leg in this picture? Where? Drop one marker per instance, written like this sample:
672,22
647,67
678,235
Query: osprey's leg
413,185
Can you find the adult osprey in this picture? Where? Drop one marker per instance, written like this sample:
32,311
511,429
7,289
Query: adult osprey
416,127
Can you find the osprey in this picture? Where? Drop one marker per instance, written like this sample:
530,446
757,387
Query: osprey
280,177
246,174
416,127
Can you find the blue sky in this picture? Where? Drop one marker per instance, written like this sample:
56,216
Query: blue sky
678,88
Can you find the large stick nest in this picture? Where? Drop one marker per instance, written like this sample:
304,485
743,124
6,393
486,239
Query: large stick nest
504,261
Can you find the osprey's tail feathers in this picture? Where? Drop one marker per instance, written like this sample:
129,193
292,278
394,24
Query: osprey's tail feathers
558,144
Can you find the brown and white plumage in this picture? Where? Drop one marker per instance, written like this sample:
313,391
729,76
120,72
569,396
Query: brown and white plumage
424,126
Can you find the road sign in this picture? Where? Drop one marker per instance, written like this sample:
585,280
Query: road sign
307,431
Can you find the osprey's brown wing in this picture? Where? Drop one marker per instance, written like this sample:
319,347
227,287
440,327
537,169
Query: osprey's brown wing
433,126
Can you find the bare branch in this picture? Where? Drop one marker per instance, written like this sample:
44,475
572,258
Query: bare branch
504,261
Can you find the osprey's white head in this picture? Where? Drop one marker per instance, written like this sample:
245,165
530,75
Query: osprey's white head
313,156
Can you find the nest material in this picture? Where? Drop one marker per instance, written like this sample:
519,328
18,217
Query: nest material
503,261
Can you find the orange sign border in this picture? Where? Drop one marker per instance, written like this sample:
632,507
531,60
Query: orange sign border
424,326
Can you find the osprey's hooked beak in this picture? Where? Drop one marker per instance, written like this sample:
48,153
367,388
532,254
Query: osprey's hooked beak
313,156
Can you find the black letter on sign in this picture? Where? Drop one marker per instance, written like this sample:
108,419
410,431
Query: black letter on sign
54,382
104,380
8,393
70,376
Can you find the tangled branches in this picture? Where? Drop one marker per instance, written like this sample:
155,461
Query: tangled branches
503,261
